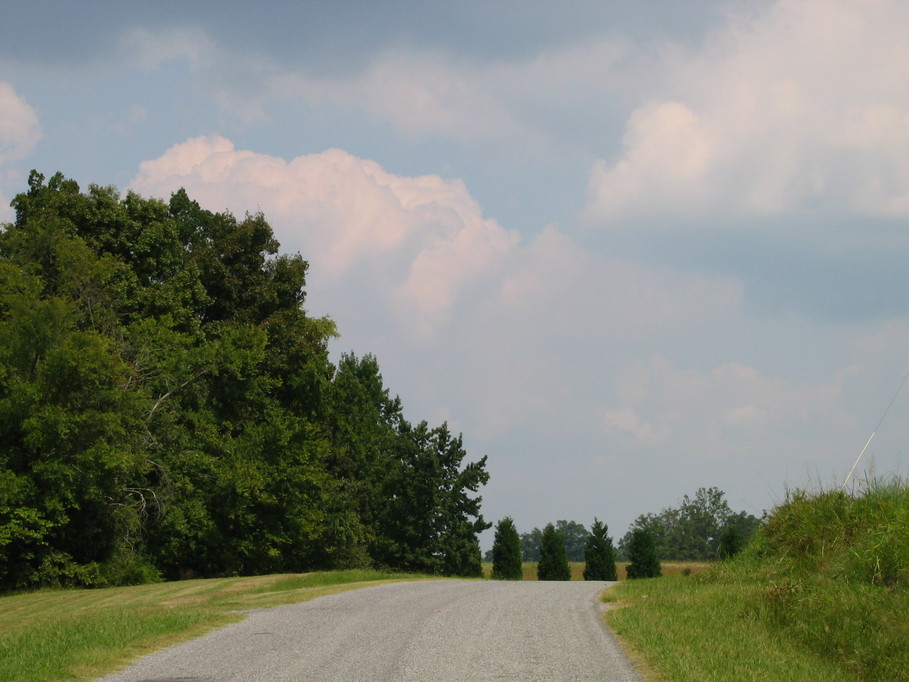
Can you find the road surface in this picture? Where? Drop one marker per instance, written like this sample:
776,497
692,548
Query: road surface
433,630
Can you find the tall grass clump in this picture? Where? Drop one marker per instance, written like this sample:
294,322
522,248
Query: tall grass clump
836,573
820,593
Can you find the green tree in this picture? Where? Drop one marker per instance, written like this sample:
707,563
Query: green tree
731,542
553,564
530,545
167,405
575,537
506,552
428,515
599,554
70,464
692,530
642,555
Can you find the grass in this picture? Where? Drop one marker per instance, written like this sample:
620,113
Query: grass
82,634
822,593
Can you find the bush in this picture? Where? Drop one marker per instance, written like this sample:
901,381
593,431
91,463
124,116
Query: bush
553,560
599,554
731,543
506,551
835,568
642,555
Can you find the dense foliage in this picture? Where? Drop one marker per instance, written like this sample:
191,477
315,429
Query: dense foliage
643,561
553,564
693,531
574,536
506,551
168,408
599,554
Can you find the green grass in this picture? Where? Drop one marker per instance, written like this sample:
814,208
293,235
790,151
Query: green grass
821,594
81,634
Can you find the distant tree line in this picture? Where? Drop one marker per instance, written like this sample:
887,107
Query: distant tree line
168,409
574,535
702,528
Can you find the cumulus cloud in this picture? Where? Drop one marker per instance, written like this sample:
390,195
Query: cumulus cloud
534,325
19,127
420,242
798,105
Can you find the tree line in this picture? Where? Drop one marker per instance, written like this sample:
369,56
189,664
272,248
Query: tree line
507,557
168,409
702,528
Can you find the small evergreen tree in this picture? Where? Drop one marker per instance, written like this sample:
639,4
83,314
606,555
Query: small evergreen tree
553,563
599,554
731,542
506,552
642,554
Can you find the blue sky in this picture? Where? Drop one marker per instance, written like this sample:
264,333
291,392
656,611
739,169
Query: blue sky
628,249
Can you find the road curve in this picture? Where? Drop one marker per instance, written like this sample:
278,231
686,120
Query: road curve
433,630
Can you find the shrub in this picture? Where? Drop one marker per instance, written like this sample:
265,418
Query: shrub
731,542
599,554
642,555
506,551
553,560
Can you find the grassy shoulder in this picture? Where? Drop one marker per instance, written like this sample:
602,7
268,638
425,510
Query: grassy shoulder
822,593
81,634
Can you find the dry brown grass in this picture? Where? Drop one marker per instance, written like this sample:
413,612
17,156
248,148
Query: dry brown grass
577,569
671,568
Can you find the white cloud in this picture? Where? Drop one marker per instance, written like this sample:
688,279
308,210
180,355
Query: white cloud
416,243
19,127
801,104
534,326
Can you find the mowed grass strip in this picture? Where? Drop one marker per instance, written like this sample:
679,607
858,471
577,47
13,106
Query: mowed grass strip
83,634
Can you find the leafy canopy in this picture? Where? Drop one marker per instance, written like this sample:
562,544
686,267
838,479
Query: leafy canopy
168,408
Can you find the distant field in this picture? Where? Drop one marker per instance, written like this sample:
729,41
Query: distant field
577,569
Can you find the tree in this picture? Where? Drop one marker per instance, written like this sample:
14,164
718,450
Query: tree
426,511
575,537
642,555
599,554
573,534
692,530
553,564
506,552
530,545
730,542
167,406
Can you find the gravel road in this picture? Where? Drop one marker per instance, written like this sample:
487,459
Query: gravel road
434,630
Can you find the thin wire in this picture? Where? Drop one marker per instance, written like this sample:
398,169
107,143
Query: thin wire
874,433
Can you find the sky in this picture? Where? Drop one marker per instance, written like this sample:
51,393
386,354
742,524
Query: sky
628,250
